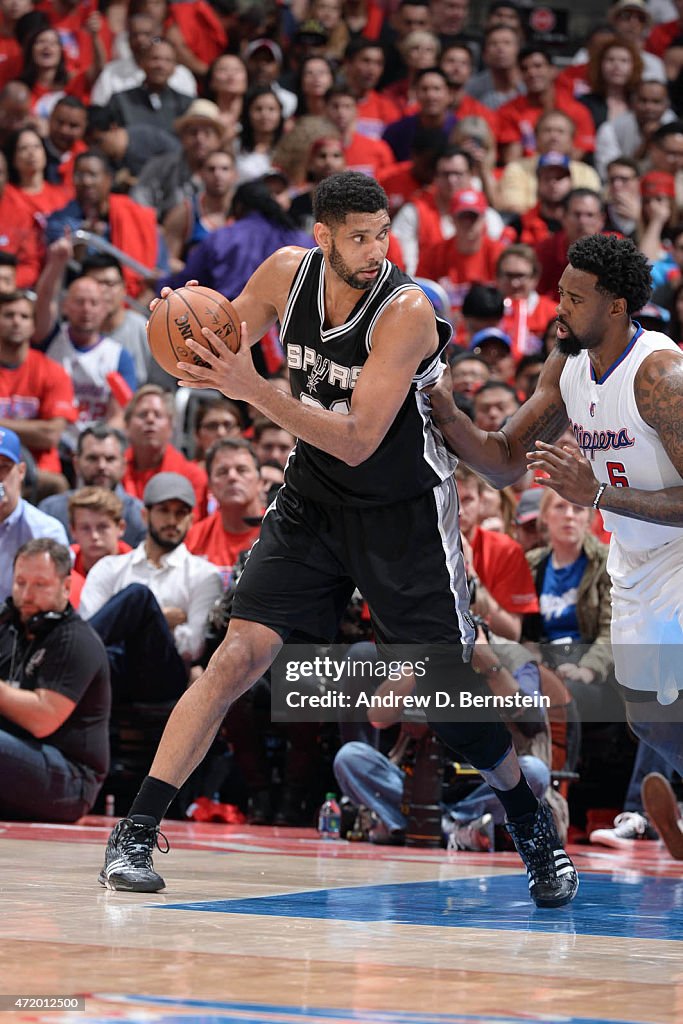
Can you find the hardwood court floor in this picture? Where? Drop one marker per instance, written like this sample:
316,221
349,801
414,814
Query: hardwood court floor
272,925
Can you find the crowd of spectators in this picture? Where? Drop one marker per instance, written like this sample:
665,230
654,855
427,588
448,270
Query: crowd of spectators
144,142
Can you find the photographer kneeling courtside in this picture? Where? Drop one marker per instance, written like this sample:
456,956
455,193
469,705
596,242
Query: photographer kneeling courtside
54,693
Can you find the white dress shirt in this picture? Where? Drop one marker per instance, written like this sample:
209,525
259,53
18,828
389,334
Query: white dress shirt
119,75
181,581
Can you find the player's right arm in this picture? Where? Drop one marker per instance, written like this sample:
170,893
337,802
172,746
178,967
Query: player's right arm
500,456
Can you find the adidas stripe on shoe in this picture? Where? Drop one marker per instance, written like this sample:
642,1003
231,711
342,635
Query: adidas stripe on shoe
553,881
128,858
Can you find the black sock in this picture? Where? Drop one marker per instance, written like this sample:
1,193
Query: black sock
518,802
153,799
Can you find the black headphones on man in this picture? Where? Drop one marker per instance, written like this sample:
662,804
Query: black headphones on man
38,626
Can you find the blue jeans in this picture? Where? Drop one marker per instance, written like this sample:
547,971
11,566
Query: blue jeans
40,784
369,778
144,660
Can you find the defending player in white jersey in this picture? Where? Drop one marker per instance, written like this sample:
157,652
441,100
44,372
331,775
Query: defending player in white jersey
621,390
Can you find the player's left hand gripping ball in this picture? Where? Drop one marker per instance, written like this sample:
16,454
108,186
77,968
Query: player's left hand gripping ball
230,372
177,321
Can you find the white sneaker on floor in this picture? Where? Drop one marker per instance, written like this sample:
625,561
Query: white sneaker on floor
476,836
629,827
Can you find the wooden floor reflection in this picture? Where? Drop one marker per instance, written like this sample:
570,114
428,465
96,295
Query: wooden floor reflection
270,925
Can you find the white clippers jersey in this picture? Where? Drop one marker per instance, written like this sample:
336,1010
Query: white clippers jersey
610,432
88,369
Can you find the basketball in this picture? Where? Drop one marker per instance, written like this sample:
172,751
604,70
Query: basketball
180,317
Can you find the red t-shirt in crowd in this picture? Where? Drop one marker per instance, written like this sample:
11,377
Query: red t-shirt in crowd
375,112
534,228
41,204
369,156
574,80
210,540
76,41
469,107
443,263
11,59
135,480
66,165
500,564
517,122
662,36
429,229
201,29
20,235
121,549
444,260
399,184
39,389
374,12
552,256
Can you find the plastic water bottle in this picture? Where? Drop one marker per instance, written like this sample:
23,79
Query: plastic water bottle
329,818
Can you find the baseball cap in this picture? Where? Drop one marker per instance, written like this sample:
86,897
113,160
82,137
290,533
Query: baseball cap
657,183
490,334
528,506
468,200
311,31
167,487
633,5
553,159
10,445
264,44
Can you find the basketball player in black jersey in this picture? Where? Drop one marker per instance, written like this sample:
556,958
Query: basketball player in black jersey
369,501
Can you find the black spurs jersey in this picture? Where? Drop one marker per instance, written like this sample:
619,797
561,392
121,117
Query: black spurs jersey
324,365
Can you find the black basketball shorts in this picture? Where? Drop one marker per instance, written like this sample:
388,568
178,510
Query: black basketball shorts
405,559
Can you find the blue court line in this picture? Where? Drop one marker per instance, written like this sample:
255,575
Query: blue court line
263,1013
649,908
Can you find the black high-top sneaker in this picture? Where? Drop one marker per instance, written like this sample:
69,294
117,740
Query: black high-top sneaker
128,857
553,880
